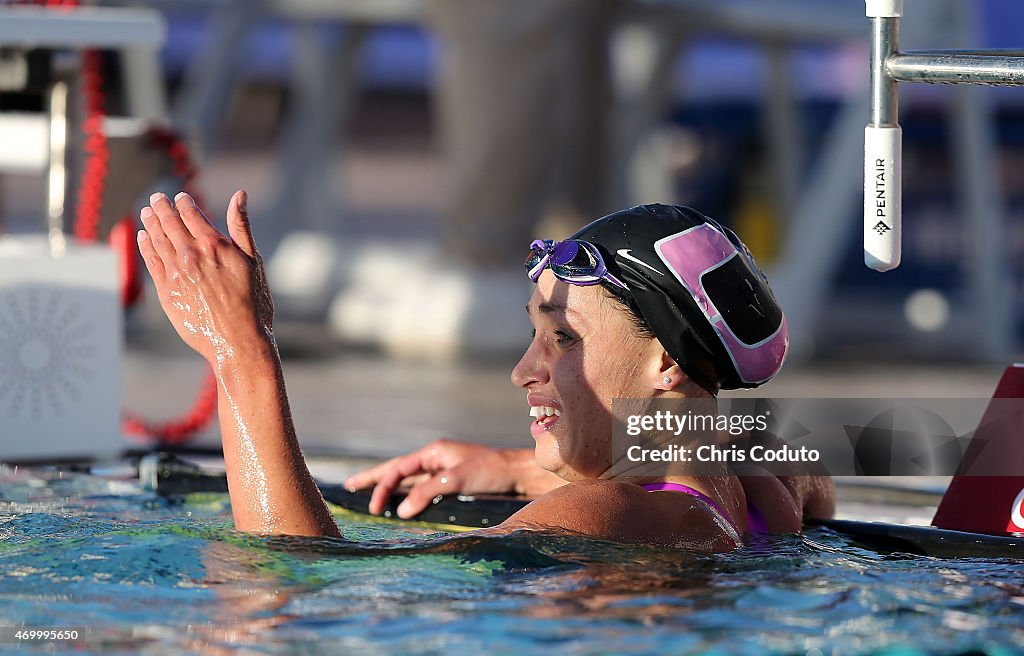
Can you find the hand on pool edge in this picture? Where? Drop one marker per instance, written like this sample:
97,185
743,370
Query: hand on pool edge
449,467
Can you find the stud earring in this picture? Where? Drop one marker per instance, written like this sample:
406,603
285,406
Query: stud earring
666,380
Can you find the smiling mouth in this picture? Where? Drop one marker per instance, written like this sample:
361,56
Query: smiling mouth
545,416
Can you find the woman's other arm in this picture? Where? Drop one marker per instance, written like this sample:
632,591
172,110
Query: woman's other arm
450,467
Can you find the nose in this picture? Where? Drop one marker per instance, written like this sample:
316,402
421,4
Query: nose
530,369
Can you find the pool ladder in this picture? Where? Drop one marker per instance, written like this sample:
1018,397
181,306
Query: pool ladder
883,136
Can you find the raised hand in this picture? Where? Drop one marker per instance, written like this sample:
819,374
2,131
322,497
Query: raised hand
212,288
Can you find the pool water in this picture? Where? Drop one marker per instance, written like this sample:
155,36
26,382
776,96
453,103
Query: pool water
142,574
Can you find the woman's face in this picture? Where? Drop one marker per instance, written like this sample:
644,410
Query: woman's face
585,352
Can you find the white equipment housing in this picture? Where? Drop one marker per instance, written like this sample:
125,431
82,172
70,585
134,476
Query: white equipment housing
60,351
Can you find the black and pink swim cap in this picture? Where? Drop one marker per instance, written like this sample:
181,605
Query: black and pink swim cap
699,290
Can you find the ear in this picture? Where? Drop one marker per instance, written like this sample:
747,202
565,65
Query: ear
667,374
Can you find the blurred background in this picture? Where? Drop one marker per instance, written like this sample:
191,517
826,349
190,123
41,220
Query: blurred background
401,154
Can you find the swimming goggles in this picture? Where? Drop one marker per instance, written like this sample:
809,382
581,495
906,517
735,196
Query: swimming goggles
573,261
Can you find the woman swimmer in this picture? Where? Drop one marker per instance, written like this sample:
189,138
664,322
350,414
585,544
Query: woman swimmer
613,319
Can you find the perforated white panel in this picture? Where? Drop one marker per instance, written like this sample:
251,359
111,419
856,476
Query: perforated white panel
60,351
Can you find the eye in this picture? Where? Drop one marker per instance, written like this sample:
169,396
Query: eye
563,337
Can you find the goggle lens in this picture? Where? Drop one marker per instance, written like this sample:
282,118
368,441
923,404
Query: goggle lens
573,261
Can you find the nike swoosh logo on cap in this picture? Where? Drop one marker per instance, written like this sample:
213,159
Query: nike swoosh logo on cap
624,252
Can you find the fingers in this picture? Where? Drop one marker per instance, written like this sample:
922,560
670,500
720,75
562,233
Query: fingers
193,218
365,478
161,245
153,262
421,460
387,476
423,494
368,477
401,468
170,222
238,224
173,228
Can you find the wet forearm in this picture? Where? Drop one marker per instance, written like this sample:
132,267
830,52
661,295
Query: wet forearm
271,488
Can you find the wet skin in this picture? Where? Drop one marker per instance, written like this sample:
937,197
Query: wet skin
584,353
213,289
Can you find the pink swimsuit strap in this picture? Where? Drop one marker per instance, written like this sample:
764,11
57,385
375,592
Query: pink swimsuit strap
756,523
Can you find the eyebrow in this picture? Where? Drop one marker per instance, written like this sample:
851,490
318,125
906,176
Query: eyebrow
549,308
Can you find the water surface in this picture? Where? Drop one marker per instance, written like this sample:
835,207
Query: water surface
144,574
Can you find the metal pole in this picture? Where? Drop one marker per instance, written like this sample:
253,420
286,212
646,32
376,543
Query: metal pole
782,129
885,42
883,141
56,176
212,75
1003,68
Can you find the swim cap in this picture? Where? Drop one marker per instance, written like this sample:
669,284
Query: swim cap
699,290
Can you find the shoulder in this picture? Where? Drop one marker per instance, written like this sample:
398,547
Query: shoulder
624,512
585,506
789,493
593,507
